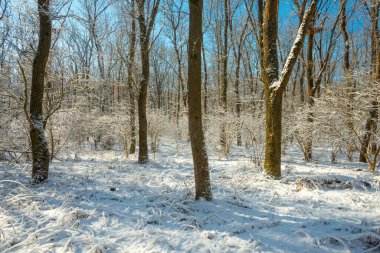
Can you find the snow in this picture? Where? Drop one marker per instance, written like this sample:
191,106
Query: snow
275,85
104,202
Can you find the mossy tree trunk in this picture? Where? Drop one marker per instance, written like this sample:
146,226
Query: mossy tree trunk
274,86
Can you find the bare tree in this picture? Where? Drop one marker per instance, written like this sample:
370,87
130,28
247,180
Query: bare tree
160,75
237,41
371,124
98,25
131,87
40,150
198,146
348,73
314,81
224,79
174,16
146,24
275,86
310,83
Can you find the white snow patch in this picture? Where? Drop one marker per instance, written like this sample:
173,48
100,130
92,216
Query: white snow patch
110,204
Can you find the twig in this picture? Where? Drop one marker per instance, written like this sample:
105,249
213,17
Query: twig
22,72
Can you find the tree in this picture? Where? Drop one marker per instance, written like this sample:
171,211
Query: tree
371,124
198,146
348,73
160,75
314,80
273,85
331,114
175,22
98,26
310,85
5,28
205,88
40,151
237,40
131,87
146,26
224,80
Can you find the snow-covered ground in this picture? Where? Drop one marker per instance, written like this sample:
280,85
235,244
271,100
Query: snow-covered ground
103,202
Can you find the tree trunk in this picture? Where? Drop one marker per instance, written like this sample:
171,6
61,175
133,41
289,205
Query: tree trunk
273,133
178,111
370,128
275,87
302,92
237,94
143,122
180,79
351,82
224,83
272,163
181,85
40,150
146,27
308,149
132,92
132,122
371,124
205,88
198,146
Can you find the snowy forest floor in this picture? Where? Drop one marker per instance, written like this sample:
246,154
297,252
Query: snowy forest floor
103,202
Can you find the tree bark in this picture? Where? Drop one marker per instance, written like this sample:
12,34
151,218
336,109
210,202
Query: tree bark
146,27
132,92
238,100
40,150
224,82
143,93
205,84
308,149
181,85
198,146
275,87
302,92
370,129
180,79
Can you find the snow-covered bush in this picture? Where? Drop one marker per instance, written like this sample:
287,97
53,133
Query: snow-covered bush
298,130
227,124
344,119
253,136
157,122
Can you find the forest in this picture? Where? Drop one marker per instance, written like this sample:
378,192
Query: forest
189,126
